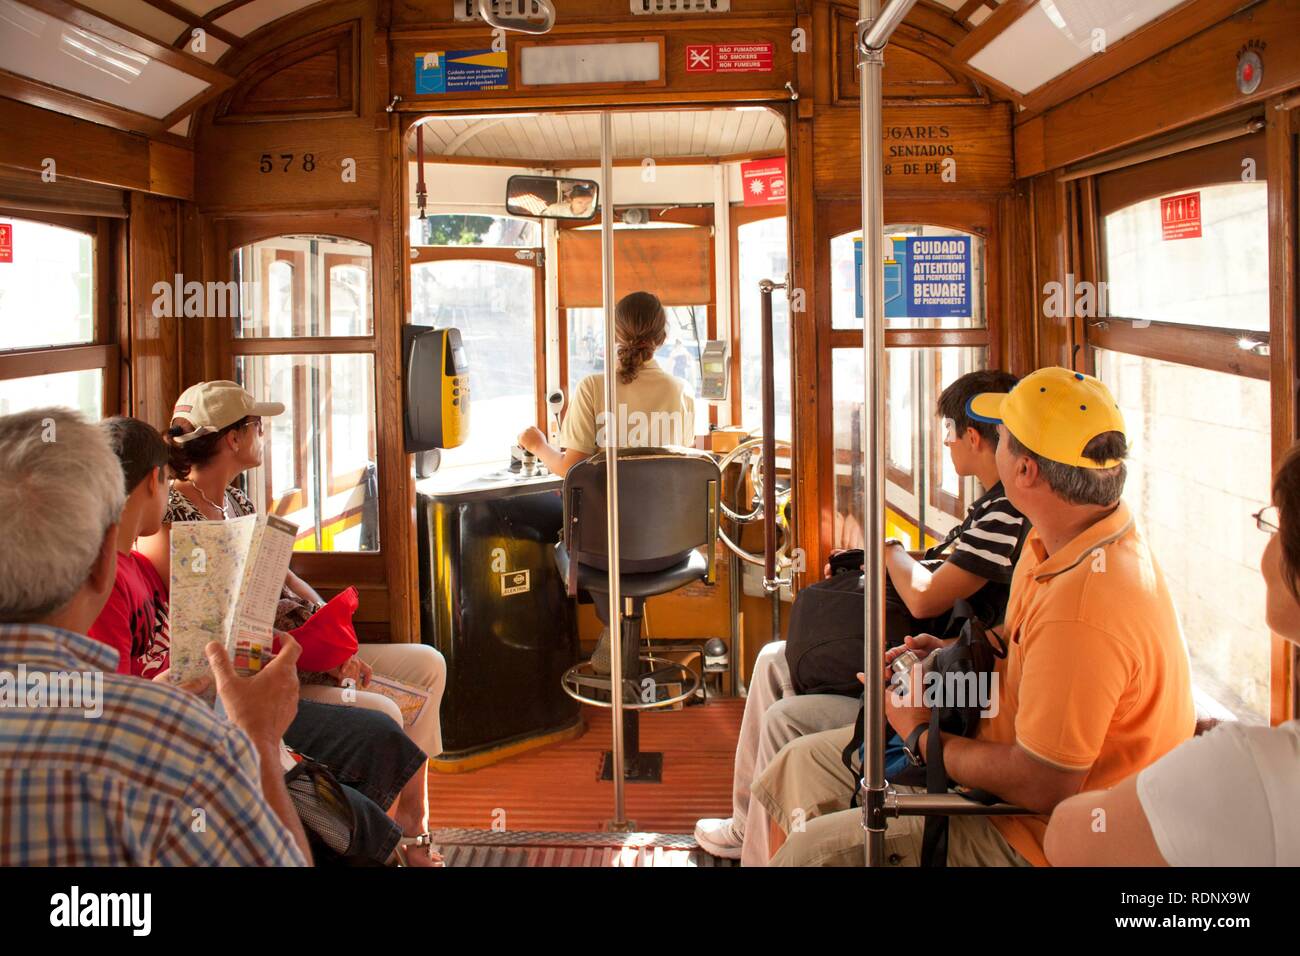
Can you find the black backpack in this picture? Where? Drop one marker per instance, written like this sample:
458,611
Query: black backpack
824,639
975,653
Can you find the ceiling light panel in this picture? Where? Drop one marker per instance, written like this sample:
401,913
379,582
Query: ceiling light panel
1055,35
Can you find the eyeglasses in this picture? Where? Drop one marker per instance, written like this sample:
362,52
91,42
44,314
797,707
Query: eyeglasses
256,423
1268,520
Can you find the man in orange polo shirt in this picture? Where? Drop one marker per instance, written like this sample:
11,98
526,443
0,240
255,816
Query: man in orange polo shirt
1095,685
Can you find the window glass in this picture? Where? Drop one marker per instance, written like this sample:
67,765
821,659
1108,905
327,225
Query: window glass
915,455
83,391
318,457
474,230
493,305
299,286
47,294
1193,258
688,328
763,255
1198,468
939,300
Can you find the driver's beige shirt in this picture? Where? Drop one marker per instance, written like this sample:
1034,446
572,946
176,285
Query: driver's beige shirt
655,409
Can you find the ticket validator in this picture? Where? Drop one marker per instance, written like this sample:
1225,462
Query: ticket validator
437,388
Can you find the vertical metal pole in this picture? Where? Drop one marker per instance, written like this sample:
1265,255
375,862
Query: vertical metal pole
611,461
873,412
768,363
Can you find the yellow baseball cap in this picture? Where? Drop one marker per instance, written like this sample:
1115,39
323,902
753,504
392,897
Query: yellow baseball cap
1054,412
211,406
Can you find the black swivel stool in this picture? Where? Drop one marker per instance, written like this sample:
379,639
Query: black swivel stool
668,513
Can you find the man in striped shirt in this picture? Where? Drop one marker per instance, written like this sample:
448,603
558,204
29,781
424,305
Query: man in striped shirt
99,768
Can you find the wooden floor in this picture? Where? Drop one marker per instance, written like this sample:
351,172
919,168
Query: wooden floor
556,789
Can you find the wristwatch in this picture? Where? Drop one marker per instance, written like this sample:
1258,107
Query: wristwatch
912,745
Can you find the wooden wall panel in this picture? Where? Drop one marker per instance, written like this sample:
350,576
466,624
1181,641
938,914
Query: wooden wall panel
90,152
154,350
230,167
681,85
917,140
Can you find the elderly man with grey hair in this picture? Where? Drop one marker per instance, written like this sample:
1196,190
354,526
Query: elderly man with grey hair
98,768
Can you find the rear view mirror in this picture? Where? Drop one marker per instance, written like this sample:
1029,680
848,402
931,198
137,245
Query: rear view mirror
551,197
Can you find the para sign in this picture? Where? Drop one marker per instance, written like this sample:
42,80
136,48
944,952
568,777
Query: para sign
6,242
1180,216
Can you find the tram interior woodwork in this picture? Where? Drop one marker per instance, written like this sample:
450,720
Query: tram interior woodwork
271,191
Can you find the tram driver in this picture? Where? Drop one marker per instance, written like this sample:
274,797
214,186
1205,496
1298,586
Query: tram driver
655,409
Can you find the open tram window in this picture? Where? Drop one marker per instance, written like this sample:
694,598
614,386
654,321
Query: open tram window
48,300
319,466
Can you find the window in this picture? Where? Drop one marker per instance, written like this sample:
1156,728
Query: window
679,355
50,317
1185,262
319,458
922,490
1199,466
82,390
494,305
1219,278
312,286
475,230
846,312
762,254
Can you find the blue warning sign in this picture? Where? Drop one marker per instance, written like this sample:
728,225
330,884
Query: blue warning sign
461,71
924,277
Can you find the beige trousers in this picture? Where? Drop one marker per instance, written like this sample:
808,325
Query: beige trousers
415,664
806,789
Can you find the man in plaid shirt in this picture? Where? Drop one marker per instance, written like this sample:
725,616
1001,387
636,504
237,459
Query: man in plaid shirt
99,768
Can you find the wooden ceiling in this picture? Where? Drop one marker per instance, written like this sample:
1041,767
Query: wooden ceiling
1035,53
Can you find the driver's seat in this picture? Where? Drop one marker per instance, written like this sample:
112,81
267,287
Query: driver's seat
668,513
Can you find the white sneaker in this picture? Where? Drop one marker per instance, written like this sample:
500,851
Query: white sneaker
719,837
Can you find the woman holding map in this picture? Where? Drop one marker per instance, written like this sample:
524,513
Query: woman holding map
215,436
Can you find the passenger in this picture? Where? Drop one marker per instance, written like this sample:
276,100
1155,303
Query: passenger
655,410
1096,682
363,747
123,785
216,435
980,554
1227,798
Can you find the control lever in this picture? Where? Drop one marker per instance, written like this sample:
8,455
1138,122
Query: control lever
522,462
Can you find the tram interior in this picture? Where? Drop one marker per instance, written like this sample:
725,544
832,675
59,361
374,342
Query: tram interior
329,209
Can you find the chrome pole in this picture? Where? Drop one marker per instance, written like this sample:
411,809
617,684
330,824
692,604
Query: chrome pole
874,29
611,462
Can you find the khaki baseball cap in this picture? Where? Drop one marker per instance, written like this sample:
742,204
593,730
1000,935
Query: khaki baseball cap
1054,412
211,406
